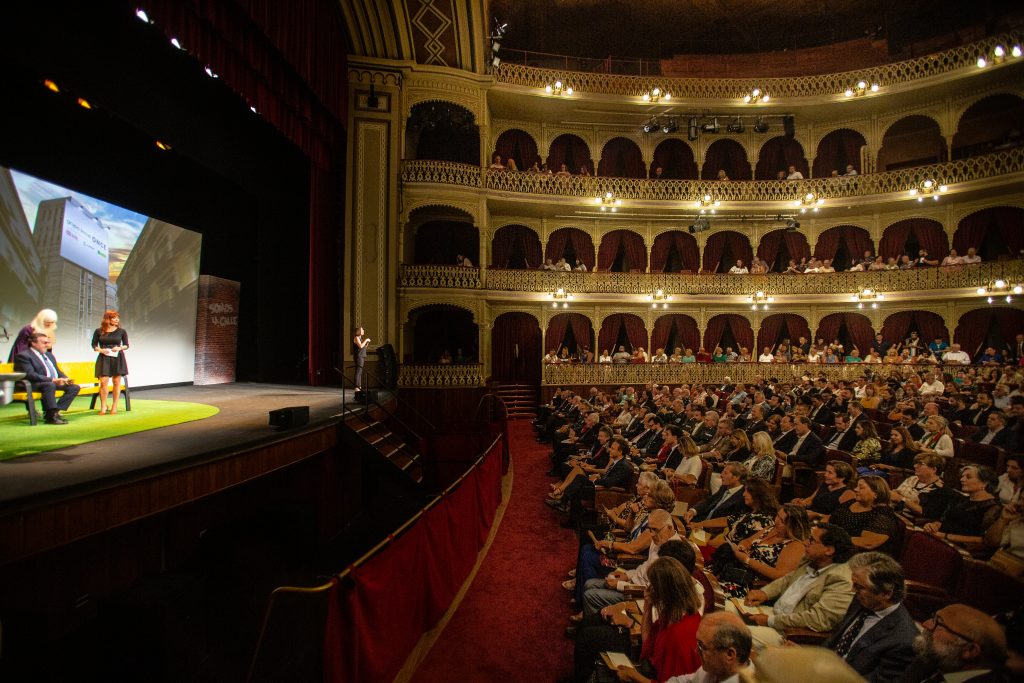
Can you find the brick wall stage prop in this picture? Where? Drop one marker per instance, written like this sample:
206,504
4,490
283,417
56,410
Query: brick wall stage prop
216,330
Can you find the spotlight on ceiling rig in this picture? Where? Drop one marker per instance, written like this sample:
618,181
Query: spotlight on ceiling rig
711,126
761,126
669,126
736,126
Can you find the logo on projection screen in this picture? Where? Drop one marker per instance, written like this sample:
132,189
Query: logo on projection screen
84,239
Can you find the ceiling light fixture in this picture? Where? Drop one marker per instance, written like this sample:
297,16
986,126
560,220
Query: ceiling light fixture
756,96
558,88
711,126
669,126
860,88
736,126
560,296
928,188
871,296
608,202
659,297
760,298
656,95
808,201
707,205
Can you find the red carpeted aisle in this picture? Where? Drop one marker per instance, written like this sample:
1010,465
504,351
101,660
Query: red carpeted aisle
510,624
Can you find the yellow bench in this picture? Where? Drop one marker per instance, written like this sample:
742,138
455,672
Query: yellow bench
82,373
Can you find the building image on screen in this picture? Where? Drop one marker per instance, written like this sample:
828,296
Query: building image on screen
81,256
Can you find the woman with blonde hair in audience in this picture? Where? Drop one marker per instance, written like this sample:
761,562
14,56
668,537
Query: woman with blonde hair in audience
669,625
774,551
689,469
762,461
871,398
937,437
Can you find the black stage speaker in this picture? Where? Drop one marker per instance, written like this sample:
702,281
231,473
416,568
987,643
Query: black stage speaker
388,366
295,416
368,396
789,126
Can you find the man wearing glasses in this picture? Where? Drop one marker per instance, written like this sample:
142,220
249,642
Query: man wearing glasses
723,642
959,643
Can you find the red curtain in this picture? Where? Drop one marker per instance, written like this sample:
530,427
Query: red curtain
558,325
789,324
621,158
738,244
1007,221
287,60
516,348
582,330
796,245
630,242
684,243
570,150
856,239
896,327
973,327
777,155
378,612
836,150
687,334
727,155
506,237
519,145
737,324
929,235
581,244
859,327
675,158
636,331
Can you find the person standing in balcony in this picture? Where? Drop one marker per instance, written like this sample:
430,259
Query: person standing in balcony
463,261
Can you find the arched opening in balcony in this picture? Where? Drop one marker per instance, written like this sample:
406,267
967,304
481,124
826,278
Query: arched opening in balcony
571,331
843,244
781,327
570,244
675,159
622,251
837,150
729,329
995,233
516,246
439,331
621,158
570,150
995,326
724,249
442,131
850,329
991,124
675,330
675,252
929,327
442,234
912,141
516,348
913,235
726,155
778,247
778,154
517,145
622,329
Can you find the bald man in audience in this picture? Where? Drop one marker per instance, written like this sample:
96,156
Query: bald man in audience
959,643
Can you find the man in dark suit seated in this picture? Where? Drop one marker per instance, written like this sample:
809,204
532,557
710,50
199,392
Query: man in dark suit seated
727,501
807,449
845,437
821,411
618,473
40,368
996,433
786,437
877,634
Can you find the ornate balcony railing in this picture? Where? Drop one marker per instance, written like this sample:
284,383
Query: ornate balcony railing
907,71
980,167
913,280
590,374
415,376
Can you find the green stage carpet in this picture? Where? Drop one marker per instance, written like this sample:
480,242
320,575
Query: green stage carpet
18,438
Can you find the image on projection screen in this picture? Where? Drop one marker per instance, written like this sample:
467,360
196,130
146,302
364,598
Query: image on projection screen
81,256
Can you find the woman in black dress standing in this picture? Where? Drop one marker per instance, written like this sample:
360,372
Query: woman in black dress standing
359,344
110,340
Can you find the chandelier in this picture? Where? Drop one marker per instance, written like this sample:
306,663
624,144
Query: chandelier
608,202
756,96
560,296
1000,289
808,201
860,88
760,298
706,204
558,88
655,95
868,296
659,297
928,188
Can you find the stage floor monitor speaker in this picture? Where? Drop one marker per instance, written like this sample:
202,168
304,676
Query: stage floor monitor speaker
368,396
286,418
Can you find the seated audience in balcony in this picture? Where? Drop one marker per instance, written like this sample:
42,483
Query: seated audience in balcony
767,356
850,170
826,267
584,171
953,259
605,357
563,172
586,355
511,165
924,260
677,355
892,264
792,268
971,256
938,346
794,174
658,173
563,355
853,356
937,437
718,355
877,264
639,355
833,174
956,356
535,168
548,265
744,356
562,265
836,488
906,263
739,268
869,517
463,261
496,163
688,357
730,355
551,357
722,175
814,355
872,357
831,356
969,516
780,175
758,266
991,357
622,356
544,170
703,356
659,356
580,266
446,358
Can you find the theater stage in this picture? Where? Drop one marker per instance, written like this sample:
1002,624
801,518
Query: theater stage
241,425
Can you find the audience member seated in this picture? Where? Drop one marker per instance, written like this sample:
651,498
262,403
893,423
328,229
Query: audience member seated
953,259
770,553
496,163
762,461
794,174
996,433
868,449
739,268
971,256
814,596
703,356
727,501
924,260
758,267
1011,482
877,634
721,175
1006,537
968,517
580,266
956,356
869,518
757,513
836,488
937,437
922,494
659,356
958,643
622,356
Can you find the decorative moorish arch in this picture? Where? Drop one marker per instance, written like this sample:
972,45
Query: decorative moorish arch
516,346
516,246
676,158
726,327
425,213
994,232
897,326
837,149
777,154
728,155
621,158
619,326
985,126
913,140
570,149
622,251
517,144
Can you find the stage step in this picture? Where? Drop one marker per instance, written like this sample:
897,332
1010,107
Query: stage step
520,400
374,430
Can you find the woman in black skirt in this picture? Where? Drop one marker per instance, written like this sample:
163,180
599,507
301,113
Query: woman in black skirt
110,341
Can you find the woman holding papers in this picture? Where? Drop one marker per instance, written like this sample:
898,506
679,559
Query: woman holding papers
109,341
